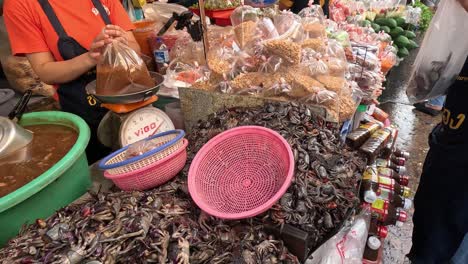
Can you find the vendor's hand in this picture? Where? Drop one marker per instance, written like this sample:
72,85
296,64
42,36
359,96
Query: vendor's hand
116,33
98,45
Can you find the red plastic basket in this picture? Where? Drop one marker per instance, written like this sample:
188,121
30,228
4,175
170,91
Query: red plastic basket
152,175
241,172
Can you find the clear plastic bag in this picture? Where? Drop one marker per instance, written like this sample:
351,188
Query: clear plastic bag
243,14
442,54
180,74
347,246
313,11
121,71
139,148
280,88
188,51
289,26
288,50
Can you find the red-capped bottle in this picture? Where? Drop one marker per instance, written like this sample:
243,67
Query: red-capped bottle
376,229
388,214
394,186
371,251
399,161
387,172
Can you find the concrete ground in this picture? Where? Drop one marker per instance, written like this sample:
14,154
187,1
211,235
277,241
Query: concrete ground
414,128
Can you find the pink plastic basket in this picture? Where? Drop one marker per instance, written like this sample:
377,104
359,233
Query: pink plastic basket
152,175
241,172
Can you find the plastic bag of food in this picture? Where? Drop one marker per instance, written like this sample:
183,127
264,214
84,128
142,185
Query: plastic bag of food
350,98
313,11
121,71
220,36
347,246
269,65
188,51
313,62
180,74
243,14
437,65
288,50
289,26
280,88
317,44
252,80
266,29
139,148
302,85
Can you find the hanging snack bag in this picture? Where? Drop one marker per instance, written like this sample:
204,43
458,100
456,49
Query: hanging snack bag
121,71
244,19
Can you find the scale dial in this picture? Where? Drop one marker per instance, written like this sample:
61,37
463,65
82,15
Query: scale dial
143,123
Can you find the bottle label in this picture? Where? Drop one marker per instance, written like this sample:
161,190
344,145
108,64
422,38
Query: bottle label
161,56
386,181
370,174
378,204
381,134
385,194
381,163
385,172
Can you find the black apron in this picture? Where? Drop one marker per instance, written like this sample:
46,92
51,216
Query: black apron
441,212
72,95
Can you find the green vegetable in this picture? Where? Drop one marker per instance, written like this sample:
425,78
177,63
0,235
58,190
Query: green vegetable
400,21
396,47
401,41
410,34
426,15
396,32
385,29
412,45
365,23
389,22
376,27
402,52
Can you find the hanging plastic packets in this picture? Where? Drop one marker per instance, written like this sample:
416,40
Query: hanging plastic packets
442,54
244,19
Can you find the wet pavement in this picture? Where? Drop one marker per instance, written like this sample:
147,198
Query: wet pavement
414,128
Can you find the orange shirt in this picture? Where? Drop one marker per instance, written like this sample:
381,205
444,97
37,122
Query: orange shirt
30,31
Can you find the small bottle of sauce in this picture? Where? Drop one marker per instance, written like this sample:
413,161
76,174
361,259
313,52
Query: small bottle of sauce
376,229
371,252
389,173
357,137
401,153
394,199
369,184
388,214
393,186
389,164
375,143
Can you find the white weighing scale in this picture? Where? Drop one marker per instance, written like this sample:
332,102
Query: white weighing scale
131,117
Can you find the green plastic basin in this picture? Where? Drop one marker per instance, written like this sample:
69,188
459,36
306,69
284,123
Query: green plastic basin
63,183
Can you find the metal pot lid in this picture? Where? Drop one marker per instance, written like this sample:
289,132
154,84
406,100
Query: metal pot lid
12,136
6,133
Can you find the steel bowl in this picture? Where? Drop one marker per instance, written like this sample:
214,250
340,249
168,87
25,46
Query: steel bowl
12,137
127,98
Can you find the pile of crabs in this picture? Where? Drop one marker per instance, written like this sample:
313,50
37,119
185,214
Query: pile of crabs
163,225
